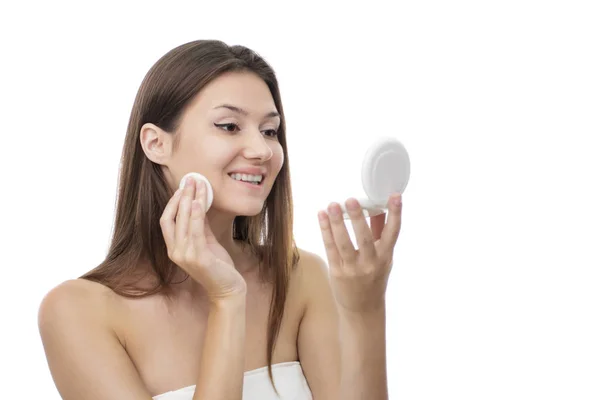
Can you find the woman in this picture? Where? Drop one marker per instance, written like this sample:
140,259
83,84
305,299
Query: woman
192,304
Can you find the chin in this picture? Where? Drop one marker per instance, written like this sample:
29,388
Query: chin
247,211
238,209
248,214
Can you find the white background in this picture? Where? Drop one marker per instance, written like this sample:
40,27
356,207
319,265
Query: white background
495,292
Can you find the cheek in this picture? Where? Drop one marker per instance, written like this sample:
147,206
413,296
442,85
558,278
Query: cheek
278,157
213,153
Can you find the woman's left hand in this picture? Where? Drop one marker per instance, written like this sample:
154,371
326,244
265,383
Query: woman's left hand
359,277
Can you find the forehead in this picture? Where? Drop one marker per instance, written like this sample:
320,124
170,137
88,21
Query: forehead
241,89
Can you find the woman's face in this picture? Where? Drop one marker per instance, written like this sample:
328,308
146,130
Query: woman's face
231,126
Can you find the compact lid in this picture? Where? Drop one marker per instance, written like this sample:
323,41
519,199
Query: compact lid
385,170
200,177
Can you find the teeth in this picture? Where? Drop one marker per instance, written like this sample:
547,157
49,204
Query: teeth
247,178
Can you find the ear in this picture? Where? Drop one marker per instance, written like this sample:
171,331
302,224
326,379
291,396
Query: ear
156,143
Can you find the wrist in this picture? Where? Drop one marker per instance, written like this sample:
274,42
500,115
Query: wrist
367,318
230,301
366,310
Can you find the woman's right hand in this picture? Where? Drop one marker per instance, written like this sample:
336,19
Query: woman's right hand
192,245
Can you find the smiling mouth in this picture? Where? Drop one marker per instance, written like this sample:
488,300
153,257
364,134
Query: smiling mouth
255,180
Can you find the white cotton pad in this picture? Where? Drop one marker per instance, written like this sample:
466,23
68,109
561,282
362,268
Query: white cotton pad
385,170
199,177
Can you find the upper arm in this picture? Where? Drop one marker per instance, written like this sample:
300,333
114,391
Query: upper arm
85,357
318,335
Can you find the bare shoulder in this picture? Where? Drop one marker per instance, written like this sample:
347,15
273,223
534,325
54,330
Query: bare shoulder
74,297
311,267
82,348
80,286
311,277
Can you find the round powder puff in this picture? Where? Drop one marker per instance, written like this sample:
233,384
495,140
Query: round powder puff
199,177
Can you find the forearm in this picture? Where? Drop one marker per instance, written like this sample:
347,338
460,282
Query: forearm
222,363
363,355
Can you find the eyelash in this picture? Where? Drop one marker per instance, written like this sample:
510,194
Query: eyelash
221,126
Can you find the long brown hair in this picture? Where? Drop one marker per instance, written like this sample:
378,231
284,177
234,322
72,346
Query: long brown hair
168,88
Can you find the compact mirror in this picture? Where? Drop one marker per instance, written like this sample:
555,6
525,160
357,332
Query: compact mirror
385,170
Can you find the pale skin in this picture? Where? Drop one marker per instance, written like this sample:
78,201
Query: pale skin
216,327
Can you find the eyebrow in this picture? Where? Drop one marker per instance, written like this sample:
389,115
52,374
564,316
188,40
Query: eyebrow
244,112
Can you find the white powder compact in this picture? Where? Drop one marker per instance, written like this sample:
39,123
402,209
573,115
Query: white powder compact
385,170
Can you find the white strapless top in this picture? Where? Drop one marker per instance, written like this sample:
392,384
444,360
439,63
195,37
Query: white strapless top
288,377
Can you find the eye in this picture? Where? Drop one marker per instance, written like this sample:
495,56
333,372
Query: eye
272,132
230,127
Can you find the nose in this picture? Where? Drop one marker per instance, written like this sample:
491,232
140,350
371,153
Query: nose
258,148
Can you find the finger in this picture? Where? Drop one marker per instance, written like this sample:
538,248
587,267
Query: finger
333,257
340,234
209,236
167,219
377,224
183,214
196,228
391,230
364,236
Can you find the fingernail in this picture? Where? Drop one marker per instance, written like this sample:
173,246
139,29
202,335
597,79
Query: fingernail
334,210
397,200
189,181
196,206
322,216
352,204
